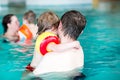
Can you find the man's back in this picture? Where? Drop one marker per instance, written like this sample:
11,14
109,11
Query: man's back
61,61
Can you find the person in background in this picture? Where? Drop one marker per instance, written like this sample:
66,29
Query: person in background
28,30
10,26
71,26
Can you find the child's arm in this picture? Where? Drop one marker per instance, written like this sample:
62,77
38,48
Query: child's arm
36,59
61,47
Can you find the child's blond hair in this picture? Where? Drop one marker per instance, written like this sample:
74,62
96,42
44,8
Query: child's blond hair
47,20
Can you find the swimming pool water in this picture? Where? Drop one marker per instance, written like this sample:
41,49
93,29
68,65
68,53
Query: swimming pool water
100,41
101,44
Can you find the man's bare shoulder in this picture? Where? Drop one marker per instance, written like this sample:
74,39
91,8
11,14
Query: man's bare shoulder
66,52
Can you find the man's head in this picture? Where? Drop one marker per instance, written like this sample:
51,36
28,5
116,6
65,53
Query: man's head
29,16
73,23
46,21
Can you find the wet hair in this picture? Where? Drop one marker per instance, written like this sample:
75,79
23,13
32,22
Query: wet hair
46,21
73,23
5,21
30,16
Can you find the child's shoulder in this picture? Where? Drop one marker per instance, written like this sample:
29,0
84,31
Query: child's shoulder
45,34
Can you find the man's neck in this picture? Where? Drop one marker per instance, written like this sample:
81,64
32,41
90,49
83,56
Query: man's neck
66,39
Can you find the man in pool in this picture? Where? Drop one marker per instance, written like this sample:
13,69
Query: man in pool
71,25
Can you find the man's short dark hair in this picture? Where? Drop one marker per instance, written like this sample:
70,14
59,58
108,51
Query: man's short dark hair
73,23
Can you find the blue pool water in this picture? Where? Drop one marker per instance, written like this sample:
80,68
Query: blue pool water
100,41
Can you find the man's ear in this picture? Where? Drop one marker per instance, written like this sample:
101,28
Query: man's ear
60,25
53,29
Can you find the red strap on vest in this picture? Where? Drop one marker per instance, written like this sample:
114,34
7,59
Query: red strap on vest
46,41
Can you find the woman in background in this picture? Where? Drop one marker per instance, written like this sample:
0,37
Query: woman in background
10,26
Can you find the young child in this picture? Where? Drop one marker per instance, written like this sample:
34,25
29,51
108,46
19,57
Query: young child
28,30
47,40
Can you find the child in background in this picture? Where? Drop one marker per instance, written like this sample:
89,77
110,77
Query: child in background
28,30
47,39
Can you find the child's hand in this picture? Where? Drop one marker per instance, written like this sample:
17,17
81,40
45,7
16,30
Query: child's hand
76,44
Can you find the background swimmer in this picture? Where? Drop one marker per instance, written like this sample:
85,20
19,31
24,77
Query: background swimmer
29,19
28,30
11,26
